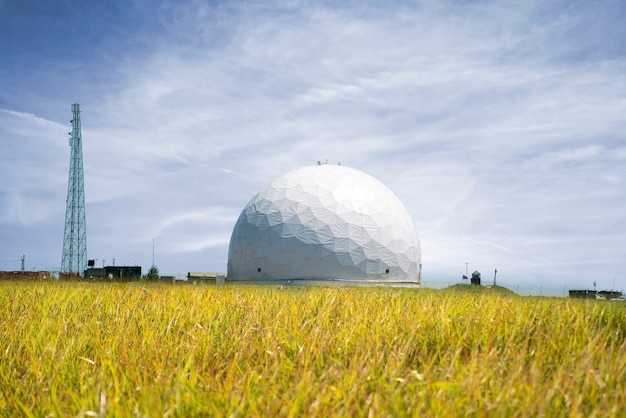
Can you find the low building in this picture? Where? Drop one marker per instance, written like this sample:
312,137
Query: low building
205,277
118,273
24,275
599,294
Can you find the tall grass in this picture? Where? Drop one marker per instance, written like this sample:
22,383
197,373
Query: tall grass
152,350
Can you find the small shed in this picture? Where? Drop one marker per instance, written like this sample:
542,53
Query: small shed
476,278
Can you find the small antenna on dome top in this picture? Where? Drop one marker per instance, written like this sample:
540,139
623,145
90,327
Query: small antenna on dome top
319,162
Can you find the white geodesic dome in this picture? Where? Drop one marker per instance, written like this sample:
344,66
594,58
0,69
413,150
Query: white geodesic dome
325,222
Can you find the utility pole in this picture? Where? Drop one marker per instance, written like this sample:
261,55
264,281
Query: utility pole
494,277
24,265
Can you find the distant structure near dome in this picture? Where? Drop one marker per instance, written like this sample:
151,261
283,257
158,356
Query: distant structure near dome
325,223
476,278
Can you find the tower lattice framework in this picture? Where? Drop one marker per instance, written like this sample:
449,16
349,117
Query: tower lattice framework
75,235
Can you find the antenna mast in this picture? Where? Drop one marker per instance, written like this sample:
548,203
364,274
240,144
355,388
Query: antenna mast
75,236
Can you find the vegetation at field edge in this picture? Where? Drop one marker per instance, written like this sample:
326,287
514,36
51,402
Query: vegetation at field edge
143,349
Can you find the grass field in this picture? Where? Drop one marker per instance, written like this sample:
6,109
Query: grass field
81,349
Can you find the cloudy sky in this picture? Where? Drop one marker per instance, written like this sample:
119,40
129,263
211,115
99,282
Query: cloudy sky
501,125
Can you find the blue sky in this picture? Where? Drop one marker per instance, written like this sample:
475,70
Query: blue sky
499,124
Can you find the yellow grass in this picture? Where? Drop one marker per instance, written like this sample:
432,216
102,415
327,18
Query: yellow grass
80,349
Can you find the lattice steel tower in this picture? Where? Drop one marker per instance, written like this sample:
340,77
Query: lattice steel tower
75,236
